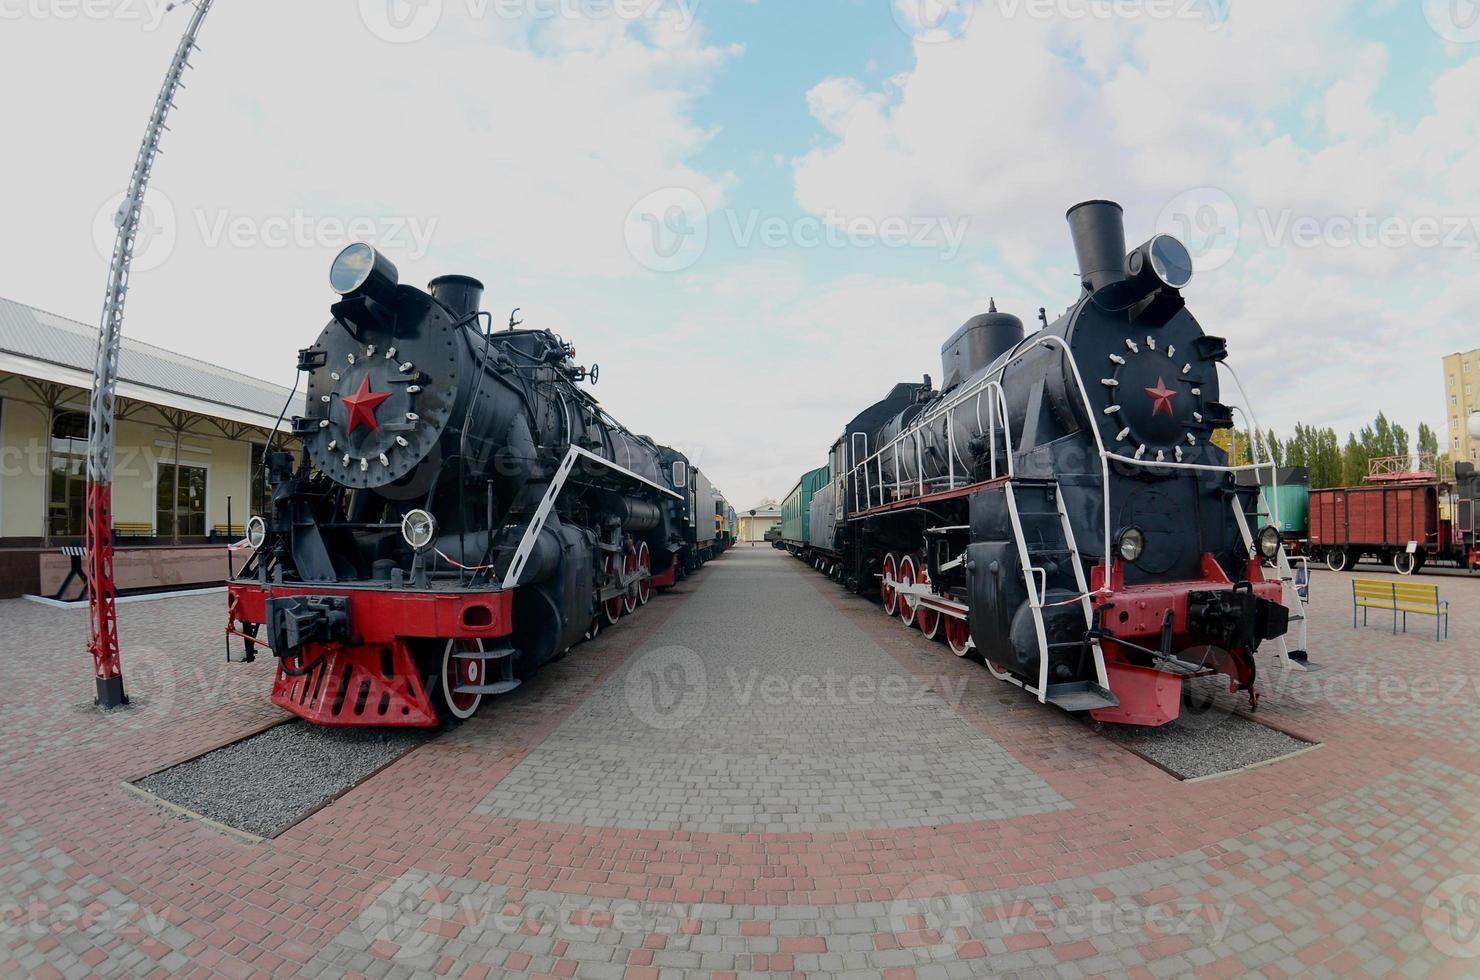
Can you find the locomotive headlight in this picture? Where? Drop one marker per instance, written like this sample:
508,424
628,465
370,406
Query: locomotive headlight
1171,261
1165,259
1269,542
360,270
418,528
256,532
1132,544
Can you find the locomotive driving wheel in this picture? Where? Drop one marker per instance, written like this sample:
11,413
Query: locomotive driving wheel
958,635
886,586
629,569
908,605
644,566
928,619
613,606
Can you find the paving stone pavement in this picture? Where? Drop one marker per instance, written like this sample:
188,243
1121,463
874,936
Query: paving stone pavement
647,808
799,724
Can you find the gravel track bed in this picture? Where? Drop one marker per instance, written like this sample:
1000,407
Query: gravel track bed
1208,745
265,783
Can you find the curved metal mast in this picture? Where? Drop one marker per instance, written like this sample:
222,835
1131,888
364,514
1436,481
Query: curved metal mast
103,616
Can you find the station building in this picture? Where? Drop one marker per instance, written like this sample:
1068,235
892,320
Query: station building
1461,400
190,439
755,522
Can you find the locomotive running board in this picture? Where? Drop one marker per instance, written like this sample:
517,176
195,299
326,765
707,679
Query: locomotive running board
547,504
1078,696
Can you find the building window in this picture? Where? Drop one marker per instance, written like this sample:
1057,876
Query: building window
67,497
187,503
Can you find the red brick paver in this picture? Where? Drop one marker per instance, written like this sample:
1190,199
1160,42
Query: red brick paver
1100,864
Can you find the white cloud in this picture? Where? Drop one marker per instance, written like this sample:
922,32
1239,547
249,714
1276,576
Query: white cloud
1024,116
521,149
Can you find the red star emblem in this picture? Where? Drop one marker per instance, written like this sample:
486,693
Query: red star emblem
1162,396
361,406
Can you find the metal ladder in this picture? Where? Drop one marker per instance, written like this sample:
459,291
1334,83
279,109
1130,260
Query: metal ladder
1072,696
1299,658
502,656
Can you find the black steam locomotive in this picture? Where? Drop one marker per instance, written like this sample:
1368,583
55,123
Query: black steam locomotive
1059,506
461,513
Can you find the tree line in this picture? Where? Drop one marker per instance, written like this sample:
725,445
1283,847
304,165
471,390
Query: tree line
1331,462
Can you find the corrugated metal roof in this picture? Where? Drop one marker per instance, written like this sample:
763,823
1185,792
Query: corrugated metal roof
35,334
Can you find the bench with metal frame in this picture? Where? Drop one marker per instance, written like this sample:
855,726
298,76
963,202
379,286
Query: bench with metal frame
76,553
1401,598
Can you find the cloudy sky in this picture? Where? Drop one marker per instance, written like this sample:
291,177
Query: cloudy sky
759,214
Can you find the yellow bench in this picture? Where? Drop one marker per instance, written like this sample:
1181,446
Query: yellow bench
1401,598
133,530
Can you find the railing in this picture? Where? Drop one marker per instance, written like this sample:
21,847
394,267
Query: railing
863,487
912,442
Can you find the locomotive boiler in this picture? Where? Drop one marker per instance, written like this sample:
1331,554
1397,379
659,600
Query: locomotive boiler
462,511
1060,508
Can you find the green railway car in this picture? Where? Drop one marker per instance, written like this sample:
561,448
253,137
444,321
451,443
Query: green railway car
796,509
1291,501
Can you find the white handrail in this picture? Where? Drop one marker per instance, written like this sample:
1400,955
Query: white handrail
992,382
915,433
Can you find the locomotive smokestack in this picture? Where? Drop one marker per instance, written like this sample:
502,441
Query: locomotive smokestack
1098,228
463,295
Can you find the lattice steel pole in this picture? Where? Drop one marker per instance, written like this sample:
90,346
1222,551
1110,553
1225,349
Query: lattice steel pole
103,617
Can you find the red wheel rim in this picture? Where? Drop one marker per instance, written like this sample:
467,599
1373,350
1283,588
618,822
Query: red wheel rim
958,635
928,618
644,584
456,672
613,606
886,590
907,603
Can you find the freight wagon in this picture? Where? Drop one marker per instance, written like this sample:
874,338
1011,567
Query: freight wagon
1400,524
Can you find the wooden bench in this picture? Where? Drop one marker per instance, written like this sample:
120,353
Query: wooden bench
126,529
1401,598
